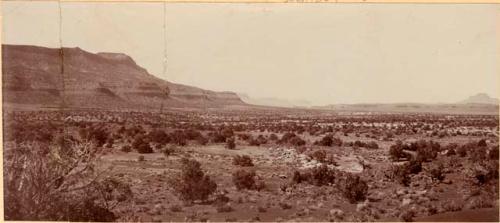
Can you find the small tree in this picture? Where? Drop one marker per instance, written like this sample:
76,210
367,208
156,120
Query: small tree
193,184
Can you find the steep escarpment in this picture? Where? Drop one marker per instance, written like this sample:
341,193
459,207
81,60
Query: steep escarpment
73,77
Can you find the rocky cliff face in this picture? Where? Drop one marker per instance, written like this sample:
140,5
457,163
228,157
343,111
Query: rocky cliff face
76,78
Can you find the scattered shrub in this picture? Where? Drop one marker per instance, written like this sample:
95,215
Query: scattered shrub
169,150
318,176
230,144
319,155
482,143
400,174
437,172
192,184
372,145
141,144
297,141
242,160
273,137
325,141
140,158
493,153
202,140
223,208
354,188
126,148
244,179
179,138
396,151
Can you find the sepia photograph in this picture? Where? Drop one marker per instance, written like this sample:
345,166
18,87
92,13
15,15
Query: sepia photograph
158,111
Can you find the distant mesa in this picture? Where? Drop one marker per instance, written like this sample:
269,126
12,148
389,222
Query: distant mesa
480,98
274,102
32,76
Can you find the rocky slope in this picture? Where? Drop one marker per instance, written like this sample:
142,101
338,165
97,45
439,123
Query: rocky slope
34,75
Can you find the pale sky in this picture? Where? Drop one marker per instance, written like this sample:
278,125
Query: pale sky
323,53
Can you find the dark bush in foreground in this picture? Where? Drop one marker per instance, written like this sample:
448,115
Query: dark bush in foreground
485,171
40,187
493,153
242,160
193,184
354,188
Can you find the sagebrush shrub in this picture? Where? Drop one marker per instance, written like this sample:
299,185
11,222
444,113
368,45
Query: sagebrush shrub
230,144
354,188
45,187
244,179
126,148
437,172
242,160
396,152
318,176
192,184
319,155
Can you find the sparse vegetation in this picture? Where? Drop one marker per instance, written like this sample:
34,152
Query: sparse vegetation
354,188
242,160
192,184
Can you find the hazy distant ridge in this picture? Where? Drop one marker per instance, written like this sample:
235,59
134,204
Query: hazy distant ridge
480,98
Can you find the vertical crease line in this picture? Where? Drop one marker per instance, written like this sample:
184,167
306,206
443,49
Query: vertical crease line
164,60
61,54
63,85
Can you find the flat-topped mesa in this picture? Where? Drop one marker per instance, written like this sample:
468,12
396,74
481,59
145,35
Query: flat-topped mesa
32,75
118,57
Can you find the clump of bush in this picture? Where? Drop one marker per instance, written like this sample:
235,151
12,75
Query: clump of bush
245,179
318,176
141,144
45,187
427,153
126,148
242,160
401,173
140,158
292,139
485,171
493,153
437,172
329,140
169,150
396,151
319,155
230,144
354,188
192,184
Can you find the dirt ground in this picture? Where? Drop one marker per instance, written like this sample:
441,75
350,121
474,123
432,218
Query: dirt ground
155,200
